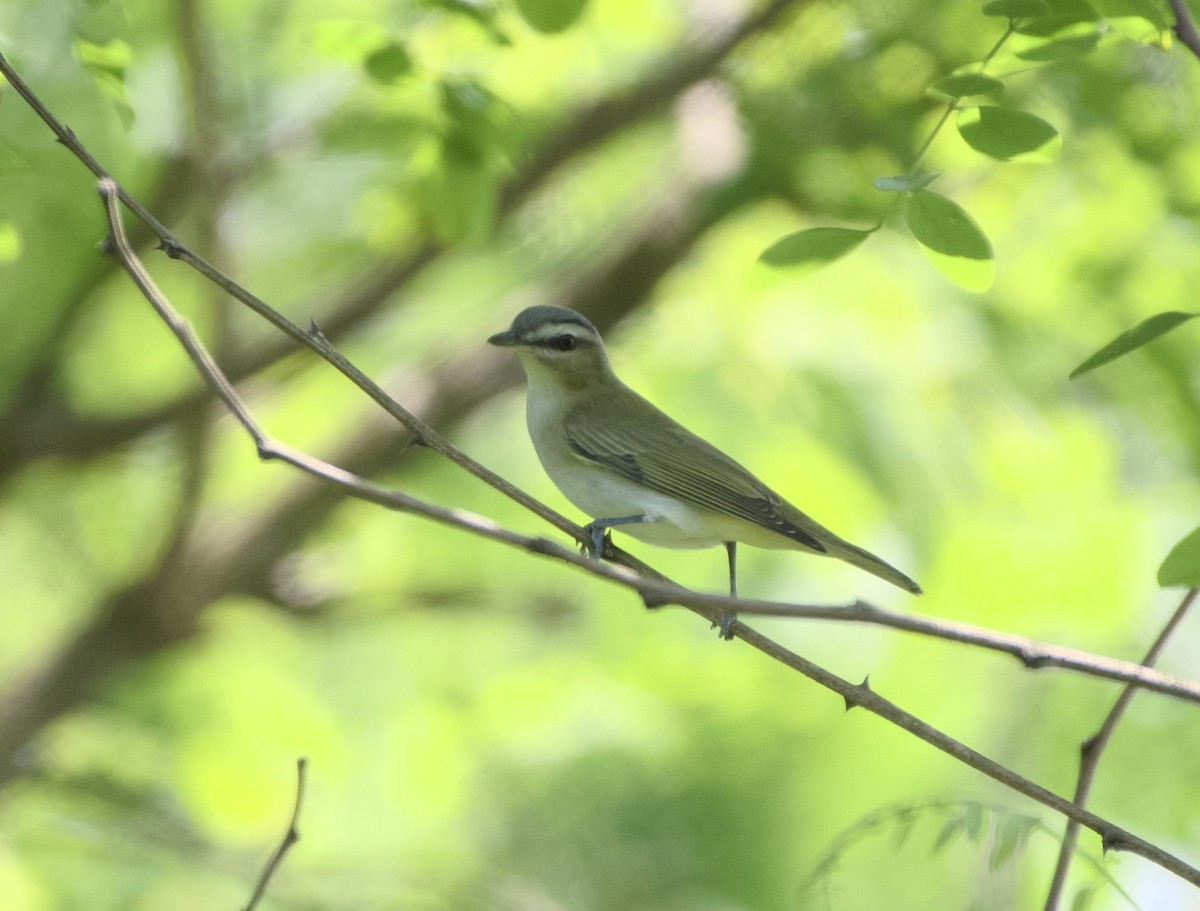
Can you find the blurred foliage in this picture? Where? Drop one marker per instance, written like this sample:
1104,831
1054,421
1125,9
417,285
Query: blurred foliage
488,730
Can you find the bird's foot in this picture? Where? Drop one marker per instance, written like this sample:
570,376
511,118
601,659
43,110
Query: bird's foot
726,624
595,548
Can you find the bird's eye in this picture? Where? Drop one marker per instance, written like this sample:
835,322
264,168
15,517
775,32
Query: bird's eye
563,342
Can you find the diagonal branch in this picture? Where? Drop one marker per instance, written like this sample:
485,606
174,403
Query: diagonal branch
1092,749
861,695
1185,26
1033,654
290,837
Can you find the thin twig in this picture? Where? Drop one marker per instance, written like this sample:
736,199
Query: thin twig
290,837
1031,653
1091,750
1185,26
1113,836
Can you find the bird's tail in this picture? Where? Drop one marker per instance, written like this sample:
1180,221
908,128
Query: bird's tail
866,560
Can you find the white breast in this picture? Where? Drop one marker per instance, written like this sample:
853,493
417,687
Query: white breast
603,494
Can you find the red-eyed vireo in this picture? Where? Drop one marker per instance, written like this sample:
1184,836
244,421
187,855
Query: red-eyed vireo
625,463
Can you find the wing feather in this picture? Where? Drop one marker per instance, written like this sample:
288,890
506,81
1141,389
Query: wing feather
671,460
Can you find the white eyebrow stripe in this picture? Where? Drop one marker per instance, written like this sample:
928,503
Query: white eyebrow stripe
554,330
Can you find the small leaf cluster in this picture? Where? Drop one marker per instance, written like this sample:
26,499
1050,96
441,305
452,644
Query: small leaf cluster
1003,836
1040,32
1181,568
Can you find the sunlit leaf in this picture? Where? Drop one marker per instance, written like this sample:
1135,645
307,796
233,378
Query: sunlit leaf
1006,134
1016,9
1131,339
813,248
10,242
901,183
1060,48
1129,9
951,239
550,16
1065,15
1181,569
388,64
482,12
107,64
966,85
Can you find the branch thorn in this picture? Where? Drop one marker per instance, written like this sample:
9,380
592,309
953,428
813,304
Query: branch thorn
652,601
851,702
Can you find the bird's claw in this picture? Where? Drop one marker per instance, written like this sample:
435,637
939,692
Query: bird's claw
726,623
596,548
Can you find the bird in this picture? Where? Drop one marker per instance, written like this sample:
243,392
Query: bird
628,465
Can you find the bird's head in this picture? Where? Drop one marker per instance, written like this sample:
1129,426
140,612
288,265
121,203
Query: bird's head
556,344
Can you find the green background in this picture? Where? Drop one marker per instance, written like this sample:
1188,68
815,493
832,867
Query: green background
488,729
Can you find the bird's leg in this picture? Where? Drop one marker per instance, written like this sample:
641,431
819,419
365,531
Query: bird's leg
728,617
597,527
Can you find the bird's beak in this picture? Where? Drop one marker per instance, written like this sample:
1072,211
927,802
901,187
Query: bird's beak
504,339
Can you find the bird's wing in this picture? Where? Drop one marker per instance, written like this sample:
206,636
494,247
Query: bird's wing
669,459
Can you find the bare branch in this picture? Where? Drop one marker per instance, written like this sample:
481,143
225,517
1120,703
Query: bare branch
1033,654
1091,750
290,837
1185,26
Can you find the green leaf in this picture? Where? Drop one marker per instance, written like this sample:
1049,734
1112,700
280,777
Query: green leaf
1011,833
482,12
1006,135
973,816
813,248
904,826
1017,9
1060,48
902,183
550,16
1132,9
388,64
966,85
10,242
107,64
951,239
1181,569
953,826
1065,13
1131,339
